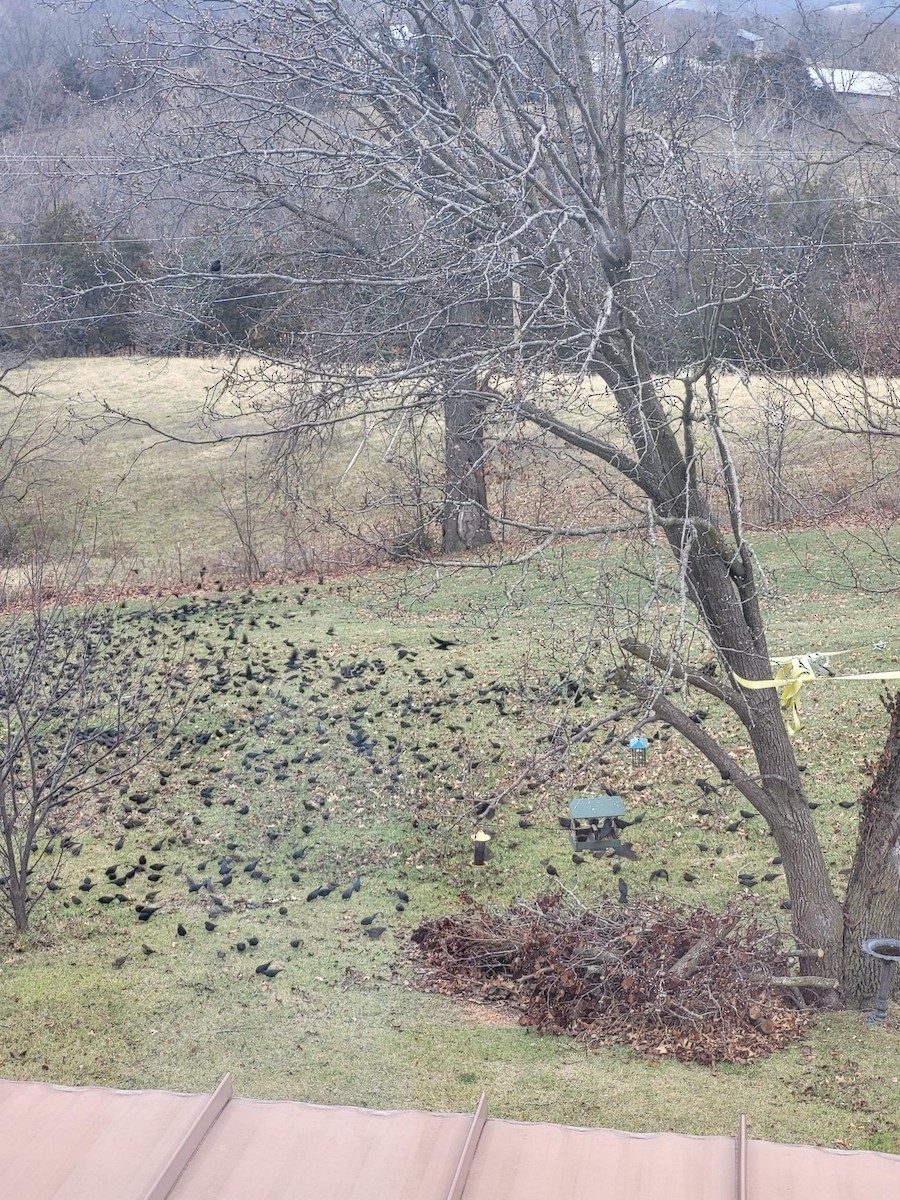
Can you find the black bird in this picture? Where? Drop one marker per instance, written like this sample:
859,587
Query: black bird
369,920
551,870
660,873
216,265
263,967
374,931
624,850
182,932
623,892
441,643
689,878
400,895
118,963
271,972
147,949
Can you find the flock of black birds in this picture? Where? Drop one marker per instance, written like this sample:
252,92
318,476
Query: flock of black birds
327,732
309,723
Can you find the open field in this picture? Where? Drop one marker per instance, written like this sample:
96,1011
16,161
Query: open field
393,739
147,509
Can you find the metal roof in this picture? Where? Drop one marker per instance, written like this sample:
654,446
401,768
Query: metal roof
845,82
93,1144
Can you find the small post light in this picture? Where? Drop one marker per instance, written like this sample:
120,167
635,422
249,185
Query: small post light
639,747
887,951
480,840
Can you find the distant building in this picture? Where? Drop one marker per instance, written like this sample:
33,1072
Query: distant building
747,42
866,89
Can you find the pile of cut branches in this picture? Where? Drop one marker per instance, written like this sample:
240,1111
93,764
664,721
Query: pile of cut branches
684,982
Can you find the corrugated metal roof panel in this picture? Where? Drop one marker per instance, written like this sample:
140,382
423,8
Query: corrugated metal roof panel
798,1172
542,1162
88,1143
262,1150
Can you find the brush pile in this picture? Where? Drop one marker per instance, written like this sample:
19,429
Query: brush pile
686,983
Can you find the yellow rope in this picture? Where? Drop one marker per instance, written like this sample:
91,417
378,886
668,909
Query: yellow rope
792,676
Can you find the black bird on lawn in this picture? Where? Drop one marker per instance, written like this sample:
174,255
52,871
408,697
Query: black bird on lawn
215,266
625,850
623,892
441,643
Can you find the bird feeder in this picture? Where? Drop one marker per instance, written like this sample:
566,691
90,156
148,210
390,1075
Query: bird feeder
887,951
639,747
480,840
592,822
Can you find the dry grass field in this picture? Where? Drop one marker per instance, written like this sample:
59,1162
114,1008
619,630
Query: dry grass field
162,509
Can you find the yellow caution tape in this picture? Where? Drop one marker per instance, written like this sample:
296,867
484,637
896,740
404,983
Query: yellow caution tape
794,674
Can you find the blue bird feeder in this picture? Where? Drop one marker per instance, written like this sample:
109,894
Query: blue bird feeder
639,747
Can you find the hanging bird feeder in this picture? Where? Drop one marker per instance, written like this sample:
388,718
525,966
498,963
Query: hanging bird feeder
592,822
639,747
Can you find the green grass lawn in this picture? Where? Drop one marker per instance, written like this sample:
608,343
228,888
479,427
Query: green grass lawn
394,739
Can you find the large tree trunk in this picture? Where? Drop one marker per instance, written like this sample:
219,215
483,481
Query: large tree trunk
465,517
816,917
872,907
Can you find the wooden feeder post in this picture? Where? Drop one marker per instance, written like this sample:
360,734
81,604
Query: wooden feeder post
480,840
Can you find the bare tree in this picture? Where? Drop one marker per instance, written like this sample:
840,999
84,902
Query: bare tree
578,250
79,713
